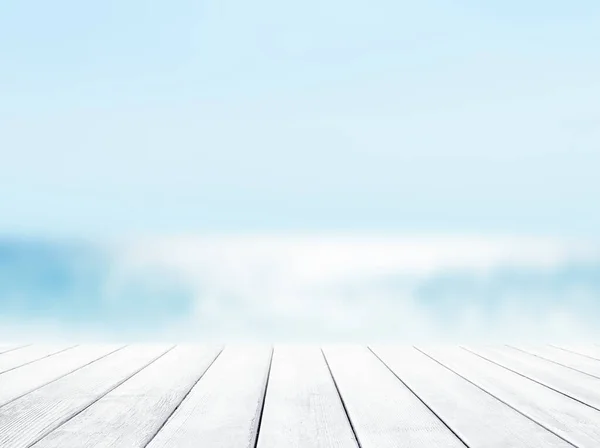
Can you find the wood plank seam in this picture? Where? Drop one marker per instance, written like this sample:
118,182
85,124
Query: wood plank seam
39,359
419,398
497,398
531,379
352,428
183,399
264,399
577,353
100,396
61,376
14,348
551,360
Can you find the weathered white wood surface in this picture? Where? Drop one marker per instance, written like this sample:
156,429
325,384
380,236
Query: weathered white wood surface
383,412
575,384
9,347
18,382
223,410
591,351
26,420
569,419
17,358
565,358
131,414
303,408
162,396
473,414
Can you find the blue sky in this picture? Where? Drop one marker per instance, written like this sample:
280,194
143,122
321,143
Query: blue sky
190,116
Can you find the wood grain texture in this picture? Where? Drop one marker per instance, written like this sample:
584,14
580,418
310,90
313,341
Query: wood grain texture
383,412
303,408
17,358
563,357
22,380
26,420
471,413
297,397
130,415
569,419
575,384
223,409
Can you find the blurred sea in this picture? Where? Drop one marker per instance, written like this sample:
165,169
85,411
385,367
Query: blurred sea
300,289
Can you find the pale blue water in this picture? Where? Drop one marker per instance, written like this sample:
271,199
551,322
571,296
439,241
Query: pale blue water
71,284
81,289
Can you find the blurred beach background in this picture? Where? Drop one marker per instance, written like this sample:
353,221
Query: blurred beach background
328,288
334,171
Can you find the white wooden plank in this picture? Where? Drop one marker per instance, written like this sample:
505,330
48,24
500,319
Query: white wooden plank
383,412
223,410
17,358
22,380
302,407
591,351
130,415
571,420
472,414
563,357
9,347
575,384
26,420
